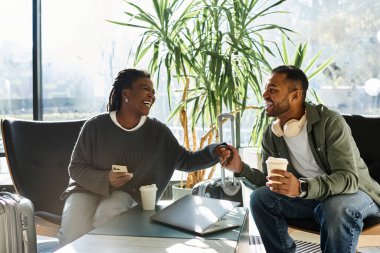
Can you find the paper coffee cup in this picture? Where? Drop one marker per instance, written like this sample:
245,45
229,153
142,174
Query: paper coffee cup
148,196
275,163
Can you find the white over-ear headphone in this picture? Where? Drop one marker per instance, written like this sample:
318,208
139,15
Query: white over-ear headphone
291,128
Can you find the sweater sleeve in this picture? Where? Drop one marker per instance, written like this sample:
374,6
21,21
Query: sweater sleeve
80,168
186,160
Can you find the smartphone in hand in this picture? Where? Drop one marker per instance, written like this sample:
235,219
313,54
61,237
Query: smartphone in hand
119,168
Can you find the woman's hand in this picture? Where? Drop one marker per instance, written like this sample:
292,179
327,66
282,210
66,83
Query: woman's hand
118,179
225,154
229,157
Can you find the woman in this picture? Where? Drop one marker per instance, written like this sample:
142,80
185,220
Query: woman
123,136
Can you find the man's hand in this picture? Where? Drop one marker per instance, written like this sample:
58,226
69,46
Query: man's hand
286,184
234,164
118,179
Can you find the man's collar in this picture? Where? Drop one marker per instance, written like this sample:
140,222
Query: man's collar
312,115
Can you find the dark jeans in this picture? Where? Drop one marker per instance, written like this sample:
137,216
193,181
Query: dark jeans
341,219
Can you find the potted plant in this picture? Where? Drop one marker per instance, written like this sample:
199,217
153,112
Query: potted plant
215,50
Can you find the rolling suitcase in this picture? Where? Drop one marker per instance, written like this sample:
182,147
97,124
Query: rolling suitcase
223,187
17,230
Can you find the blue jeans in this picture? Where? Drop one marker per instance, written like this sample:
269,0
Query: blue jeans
341,219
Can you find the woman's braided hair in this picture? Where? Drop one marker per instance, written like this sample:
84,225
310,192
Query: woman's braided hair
124,80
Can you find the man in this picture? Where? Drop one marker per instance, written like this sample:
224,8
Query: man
325,178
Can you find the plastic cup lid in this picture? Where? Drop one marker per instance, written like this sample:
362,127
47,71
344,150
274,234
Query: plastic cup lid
272,159
148,187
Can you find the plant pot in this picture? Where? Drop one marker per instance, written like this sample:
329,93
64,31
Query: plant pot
178,192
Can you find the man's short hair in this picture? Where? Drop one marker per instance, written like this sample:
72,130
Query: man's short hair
294,74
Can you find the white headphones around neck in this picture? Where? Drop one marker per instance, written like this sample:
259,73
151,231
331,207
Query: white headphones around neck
291,128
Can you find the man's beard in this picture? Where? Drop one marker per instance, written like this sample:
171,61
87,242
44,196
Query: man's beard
279,108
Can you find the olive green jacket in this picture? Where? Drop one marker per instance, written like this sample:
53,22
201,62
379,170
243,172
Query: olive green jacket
334,150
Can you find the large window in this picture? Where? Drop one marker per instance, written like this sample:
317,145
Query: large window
15,60
81,56
82,53
350,31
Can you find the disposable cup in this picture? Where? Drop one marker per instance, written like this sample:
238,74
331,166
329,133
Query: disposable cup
148,196
276,163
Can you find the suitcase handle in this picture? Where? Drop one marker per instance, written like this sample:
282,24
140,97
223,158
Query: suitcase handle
232,120
231,117
13,196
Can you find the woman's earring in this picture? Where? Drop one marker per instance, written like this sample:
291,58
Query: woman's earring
126,100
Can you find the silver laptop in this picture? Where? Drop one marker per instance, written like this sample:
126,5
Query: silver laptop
198,214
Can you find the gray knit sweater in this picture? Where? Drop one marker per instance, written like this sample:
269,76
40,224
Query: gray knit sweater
151,153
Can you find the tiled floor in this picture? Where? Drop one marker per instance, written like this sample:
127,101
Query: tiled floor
299,235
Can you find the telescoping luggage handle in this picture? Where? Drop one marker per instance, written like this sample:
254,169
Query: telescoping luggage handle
231,117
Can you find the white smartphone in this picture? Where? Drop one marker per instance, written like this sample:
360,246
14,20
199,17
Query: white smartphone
119,168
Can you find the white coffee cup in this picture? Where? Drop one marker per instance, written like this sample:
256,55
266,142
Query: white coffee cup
148,196
275,163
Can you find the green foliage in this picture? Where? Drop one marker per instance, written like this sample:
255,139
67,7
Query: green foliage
216,49
217,45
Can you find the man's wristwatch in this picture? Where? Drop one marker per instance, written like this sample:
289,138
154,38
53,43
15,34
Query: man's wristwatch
303,188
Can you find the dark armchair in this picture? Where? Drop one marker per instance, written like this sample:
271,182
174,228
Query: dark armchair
366,132
38,154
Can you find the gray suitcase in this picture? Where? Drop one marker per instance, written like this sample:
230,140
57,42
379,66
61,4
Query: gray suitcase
17,230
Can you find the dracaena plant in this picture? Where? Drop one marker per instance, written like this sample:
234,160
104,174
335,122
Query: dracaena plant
214,49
